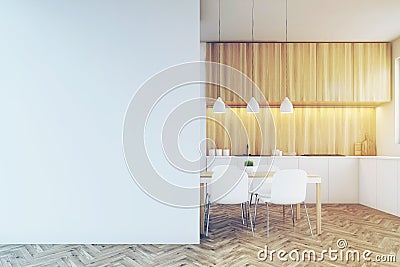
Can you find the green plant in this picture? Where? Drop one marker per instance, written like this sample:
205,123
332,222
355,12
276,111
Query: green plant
248,163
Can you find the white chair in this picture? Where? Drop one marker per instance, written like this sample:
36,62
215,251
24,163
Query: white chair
288,188
259,187
228,185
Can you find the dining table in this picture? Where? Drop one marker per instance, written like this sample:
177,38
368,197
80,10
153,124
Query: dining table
205,178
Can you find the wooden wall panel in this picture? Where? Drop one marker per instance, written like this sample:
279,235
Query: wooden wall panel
269,71
372,72
318,73
237,56
301,72
335,72
212,74
306,130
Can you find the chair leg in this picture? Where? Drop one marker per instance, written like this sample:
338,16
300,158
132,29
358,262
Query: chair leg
283,210
251,197
251,221
246,205
291,206
255,210
266,203
242,207
205,209
308,218
208,217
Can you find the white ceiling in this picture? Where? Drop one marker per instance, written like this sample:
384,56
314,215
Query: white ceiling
308,20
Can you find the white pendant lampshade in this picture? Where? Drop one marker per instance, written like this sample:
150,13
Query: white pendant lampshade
219,106
253,106
286,106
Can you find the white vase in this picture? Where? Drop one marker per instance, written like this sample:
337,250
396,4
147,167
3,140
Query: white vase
218,152
211,152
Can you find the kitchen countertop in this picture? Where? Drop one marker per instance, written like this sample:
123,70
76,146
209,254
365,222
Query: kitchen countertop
361,157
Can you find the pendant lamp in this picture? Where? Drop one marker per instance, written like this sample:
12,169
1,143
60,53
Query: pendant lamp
219,105
252,105
286,105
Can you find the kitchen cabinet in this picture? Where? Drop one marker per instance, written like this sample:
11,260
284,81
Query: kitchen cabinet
285,162
238,56
220,160
398,188
316,165
269,71
257,161
335,72
301,72
372,72
317,73
211,74
386,186
343,180
368,182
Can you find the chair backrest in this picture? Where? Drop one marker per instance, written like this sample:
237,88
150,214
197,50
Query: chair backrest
289,187
228,185
258,185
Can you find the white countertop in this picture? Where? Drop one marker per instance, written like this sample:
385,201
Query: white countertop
277,157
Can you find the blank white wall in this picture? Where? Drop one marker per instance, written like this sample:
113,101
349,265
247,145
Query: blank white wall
68,70
386,118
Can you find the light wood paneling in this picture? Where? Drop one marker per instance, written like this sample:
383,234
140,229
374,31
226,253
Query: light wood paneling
306,130
237,56
317,73
335,72
372,72
212,74
237,128
269,71
301,72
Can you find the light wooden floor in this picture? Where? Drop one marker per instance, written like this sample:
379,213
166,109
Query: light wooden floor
231,244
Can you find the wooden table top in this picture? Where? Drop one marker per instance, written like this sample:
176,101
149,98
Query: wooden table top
312,178
256,175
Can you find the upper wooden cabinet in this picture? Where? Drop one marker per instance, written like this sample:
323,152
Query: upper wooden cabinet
372,72
269,71
335,72
301,72
317,73
237,56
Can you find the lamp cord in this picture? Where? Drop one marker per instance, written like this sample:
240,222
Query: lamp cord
219,48
287,47
252,57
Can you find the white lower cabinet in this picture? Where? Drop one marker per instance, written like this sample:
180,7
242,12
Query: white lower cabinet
373,182
367,182
343,180
215,161
286,162
398,188
316,166
379,184
386,186
257,161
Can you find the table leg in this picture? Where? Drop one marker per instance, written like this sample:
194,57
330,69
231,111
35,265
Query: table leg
298,211
202,209
318,206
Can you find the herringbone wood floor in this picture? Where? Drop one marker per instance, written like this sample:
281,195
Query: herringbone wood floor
231,244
